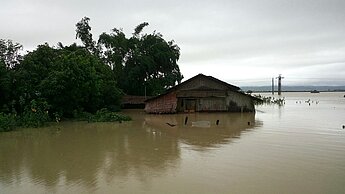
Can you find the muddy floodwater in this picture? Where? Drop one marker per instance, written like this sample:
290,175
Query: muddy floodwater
295,148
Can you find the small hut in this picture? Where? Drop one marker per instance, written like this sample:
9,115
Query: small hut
201,93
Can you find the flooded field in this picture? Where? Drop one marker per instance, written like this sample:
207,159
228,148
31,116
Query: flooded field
295,148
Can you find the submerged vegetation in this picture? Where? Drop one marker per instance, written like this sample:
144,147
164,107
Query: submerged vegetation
7,122
105,115
83,82
270,100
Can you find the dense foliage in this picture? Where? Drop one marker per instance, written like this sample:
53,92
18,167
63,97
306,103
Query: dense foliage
10,53
5,87
9,58
105,115
7,122
69,78
141,61
50,83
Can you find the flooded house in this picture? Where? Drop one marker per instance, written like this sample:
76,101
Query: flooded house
133,102
201,93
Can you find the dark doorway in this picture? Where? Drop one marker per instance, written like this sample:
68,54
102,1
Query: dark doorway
190,105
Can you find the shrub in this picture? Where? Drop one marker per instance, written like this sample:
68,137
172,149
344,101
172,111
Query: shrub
104,115
270,100
36,114
7,122
81,115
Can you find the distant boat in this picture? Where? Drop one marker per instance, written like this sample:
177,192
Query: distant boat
314,91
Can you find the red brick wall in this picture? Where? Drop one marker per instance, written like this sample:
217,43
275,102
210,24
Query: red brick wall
162,104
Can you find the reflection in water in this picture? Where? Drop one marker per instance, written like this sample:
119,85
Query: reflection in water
223,127
299,149
82,154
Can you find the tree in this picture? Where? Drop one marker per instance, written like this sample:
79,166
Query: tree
10,53
141,61
151,64
68,78
83,32
116,50
5,87
139,29
9,58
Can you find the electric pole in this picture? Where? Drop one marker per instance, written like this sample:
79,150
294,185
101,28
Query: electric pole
272,85
280,83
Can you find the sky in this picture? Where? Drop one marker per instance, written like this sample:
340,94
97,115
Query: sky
242,42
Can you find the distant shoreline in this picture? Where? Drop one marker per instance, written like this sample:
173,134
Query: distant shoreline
294,88
295,91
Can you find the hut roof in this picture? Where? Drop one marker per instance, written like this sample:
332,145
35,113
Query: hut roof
229,86
129,99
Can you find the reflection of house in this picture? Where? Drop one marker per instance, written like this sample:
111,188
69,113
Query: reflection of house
230,126
201,94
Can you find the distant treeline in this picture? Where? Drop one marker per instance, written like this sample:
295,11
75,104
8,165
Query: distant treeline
53,82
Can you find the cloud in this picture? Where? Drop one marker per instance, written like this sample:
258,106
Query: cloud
234,40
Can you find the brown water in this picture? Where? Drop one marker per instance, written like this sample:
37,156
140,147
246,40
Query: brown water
297,148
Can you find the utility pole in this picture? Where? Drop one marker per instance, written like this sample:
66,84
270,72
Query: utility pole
280,83
272,85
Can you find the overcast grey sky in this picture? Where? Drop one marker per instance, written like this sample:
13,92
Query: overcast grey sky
243,42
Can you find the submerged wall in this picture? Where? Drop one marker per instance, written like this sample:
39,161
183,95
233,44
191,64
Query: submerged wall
163,104
238,102
172,103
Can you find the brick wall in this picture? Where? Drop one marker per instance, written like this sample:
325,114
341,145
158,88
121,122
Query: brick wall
163,104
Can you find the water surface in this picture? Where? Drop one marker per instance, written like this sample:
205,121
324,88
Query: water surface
295,148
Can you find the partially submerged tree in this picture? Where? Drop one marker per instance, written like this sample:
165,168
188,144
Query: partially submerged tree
68,78
5,87
9,57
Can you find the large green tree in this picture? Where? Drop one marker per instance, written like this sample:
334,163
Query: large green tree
83,32
10,52
5,87
68,78
143,62
9,57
